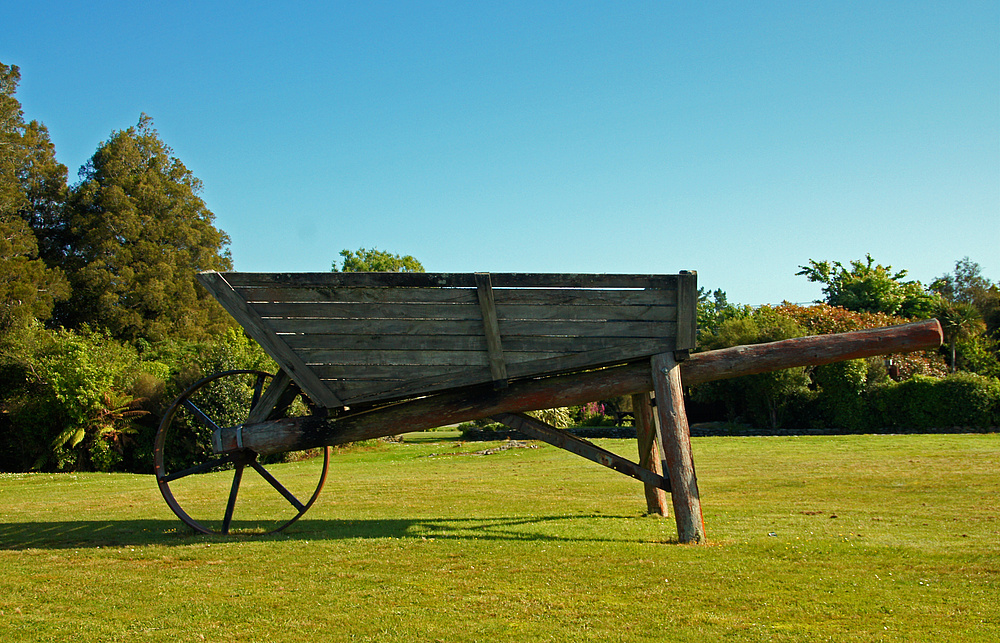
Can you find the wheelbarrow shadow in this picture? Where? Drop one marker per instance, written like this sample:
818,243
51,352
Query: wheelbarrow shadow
116,533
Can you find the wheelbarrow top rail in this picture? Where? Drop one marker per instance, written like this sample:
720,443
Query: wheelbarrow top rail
367,338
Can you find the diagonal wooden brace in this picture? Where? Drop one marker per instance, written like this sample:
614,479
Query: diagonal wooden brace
539,430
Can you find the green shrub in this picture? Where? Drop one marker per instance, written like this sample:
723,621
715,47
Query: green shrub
759,399
962,399
558,417
67,400
841,399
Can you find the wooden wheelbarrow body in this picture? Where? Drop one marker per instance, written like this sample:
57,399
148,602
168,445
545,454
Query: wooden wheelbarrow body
381,354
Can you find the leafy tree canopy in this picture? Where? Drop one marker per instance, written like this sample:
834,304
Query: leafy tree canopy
870,287
32,188
966,284
27,288
138,233
376,260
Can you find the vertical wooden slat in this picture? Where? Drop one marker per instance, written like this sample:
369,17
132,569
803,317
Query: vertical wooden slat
498,368
687,309
675,446
272,343
649,455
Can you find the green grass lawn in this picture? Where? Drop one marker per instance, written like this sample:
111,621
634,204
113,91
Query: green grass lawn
845,538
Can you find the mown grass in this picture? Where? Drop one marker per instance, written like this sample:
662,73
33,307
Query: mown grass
847,538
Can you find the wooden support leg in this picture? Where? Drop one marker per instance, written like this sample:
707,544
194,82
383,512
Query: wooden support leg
675,446
649,454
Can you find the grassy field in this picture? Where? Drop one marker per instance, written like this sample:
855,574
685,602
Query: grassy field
848,538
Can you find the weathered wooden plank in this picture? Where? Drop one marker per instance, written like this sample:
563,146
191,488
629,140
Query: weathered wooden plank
419,380
675,448
382,390
511,312
402,357
369,295
351,279
266,337
587,328
649,455
387,371
584,297
336,311
539,296
491,330
589,359
539,430
446,280
368,382
378,327
517,343
435,358
569,280
579,388
305,343
508,328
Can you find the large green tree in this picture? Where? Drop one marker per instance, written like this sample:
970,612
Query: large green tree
869,287
32,190
969,311
376,260
138,232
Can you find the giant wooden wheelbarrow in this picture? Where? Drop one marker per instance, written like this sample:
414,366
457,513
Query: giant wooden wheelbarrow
366,355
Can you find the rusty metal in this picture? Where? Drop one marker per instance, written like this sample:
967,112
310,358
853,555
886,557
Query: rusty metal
239,459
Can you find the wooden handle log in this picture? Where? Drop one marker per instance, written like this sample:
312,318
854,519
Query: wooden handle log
295,434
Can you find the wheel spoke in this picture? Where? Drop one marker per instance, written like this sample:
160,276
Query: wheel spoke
231,505
277,485
198,413
198,468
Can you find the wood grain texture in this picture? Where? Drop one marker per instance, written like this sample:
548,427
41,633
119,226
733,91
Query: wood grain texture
362,334
446,280
476,402
491,330
269,341
675,448
646,430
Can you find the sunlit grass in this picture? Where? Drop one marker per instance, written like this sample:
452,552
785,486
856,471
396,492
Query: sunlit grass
847,538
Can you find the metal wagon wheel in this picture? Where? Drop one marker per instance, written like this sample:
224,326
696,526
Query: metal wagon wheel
188,471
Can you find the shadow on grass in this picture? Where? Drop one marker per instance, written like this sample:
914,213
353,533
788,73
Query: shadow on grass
111,533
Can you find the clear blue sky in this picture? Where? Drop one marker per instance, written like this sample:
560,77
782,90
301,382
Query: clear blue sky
738,139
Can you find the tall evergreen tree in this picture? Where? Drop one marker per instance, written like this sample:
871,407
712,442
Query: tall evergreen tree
137,234
32,190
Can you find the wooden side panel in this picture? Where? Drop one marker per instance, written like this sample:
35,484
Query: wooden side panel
372,337
290,362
